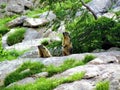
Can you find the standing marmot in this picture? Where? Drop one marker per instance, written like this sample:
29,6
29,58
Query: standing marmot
43,51
66,44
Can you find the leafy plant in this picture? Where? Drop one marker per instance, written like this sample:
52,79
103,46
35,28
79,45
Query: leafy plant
55,48
96,34
16,36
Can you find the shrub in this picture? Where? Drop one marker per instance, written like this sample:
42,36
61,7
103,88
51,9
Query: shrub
55,48
16,37
104,85
96,34
45,41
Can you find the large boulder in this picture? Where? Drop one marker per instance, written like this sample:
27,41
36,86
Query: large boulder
101,71
15,8
100,6
94,74
18,6
16,22
35,22
31,34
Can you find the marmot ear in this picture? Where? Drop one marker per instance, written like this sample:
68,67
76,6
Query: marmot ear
38,46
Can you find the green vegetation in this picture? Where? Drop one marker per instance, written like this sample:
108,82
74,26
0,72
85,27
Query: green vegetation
104,85
69,63
16,36
3,5
20,73
89,34
33,68
8,54
45,41
47,83
3,24
55,48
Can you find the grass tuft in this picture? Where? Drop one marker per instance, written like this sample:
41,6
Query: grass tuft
20,73
16,37
47,83
104,85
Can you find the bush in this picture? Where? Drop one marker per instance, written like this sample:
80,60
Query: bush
55,48
96,34
16,37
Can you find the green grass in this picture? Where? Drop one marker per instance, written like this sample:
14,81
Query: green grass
39,67
69,63
16,36
45,41
17,75
47,83
3,5
9,54
3,21
104,85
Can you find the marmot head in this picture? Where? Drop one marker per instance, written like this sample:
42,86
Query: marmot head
41,47
66,34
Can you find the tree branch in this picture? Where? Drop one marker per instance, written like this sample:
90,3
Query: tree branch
87,7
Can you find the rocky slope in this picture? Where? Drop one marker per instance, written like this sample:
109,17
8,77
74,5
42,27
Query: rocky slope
106,65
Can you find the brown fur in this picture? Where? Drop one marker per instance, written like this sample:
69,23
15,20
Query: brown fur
66,44
43,51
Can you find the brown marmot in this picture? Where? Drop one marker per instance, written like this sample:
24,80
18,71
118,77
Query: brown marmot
66,44
43,51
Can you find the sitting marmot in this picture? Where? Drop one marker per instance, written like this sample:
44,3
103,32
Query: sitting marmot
66,44
43,51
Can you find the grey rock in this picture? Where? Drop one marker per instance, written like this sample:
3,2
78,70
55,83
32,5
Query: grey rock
102,72
33,53
4,38
23,82
35,22
61,29
25,45
15,8
48,15
16,22
54,36
100,6
47,33
98,50
110,15
28,4
116,9
114,49
77,85
25,71
42,74
94,72
31,34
